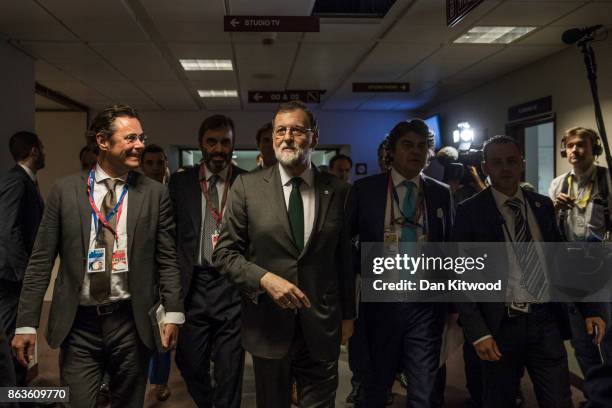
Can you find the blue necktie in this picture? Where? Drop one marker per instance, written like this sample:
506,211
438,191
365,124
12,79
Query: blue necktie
409,232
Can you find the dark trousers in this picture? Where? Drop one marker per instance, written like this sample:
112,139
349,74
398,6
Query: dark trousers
586,352
532,341
316,380
211,332
9,301
99,344
358,350
473,373
159,368
7,371
408,334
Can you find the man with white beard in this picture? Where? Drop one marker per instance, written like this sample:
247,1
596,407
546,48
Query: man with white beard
285,243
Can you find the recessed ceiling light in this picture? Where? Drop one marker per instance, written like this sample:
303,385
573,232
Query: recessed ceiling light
207,64
493,35
216,93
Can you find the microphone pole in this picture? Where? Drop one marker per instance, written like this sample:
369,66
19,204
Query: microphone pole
591,67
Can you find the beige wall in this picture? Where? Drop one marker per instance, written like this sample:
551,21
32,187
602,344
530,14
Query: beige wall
62,134
562,75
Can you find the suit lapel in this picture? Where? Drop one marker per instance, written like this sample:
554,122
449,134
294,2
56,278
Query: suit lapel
85,210
490,212
193,200
323,196
379,206
277,198
135,200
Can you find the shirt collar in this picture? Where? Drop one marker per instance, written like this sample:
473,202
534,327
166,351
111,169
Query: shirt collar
307,176
101,175
29,171
585,176
222,174
398,179
501,198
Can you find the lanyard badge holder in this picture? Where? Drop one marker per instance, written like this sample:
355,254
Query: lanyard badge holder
217,215
96,257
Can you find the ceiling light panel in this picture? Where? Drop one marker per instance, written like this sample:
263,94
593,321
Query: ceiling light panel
493,35
207,64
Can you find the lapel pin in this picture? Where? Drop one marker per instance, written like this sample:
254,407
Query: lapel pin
537,204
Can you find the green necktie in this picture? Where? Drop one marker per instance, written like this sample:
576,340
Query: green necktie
296,213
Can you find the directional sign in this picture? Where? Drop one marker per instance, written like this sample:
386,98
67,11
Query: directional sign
456,10
381,87
278,24
313,96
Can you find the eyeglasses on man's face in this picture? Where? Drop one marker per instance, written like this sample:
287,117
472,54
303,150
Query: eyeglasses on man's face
293,131
132,138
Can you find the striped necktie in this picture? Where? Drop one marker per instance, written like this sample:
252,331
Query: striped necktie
533,278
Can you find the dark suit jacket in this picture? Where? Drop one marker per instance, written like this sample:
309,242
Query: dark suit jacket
65,230
370,202
21,209
186,196
479,220
256,238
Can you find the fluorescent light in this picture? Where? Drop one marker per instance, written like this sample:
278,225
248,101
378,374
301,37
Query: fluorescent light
217,93
207,64
493,35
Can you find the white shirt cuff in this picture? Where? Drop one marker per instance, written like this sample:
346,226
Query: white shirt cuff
488,336
25,330
175,318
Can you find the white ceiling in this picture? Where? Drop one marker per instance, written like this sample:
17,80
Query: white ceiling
107,51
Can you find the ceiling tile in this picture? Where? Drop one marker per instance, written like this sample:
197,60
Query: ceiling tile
590,14
192,31
388,61
138,61
169,94
352,32
528,13
186,10
25,20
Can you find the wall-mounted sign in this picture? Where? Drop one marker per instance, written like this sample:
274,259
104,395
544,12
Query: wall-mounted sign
456,10
381,87
307,96
531,108
277,24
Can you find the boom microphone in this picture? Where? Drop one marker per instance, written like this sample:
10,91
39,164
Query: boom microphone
576,34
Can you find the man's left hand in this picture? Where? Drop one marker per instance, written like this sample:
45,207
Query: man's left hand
591,323
347,331
171,333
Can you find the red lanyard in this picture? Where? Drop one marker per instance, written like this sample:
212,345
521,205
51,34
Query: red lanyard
98,217
217,215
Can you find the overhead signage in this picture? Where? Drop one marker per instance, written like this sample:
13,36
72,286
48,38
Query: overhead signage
277,24
307,96
456,10
381,87
531,108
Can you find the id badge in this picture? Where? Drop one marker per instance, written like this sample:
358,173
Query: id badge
520,307
391,241
96,260
120,261
214,238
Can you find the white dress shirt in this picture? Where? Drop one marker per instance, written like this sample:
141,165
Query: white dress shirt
514,291
29,171
307,191
220,188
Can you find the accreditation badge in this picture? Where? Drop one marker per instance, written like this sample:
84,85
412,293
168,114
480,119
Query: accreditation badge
214,239
120,261
391,241
96,260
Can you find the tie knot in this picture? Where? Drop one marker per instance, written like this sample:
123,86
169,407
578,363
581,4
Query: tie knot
514,204
111,184
409,185
212,181
296,182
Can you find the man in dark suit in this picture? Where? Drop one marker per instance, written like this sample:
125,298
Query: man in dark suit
263,138
285,243
212,303
21,207
113,230
403,333
525,331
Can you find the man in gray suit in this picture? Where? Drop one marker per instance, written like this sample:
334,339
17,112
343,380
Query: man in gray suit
285,243
114,232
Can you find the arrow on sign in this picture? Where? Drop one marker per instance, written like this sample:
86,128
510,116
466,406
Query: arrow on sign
257,97
235,22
